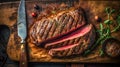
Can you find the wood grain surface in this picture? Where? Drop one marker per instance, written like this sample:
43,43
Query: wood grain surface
8,16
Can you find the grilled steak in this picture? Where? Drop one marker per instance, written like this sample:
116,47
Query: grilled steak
75,43
63,33
55,25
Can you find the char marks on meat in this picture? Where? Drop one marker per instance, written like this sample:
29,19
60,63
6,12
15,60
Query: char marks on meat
63,33
56,24
82,39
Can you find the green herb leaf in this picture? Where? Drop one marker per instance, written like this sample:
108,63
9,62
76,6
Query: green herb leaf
108,22
116,28
112,11
108,31
101,26
104,30
101,52
107,10
101,29
118,19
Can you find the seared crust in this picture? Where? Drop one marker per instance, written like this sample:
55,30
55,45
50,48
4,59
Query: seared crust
81,44
56,24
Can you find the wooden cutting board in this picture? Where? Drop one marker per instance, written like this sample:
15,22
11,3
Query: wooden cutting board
8,16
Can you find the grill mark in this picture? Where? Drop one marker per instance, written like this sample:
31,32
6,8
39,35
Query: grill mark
55,45
69,52
86,37
61,17
87,44
59,45
75,49
82,19
71,24
55,27
77,40
37,29
74,22
65,52
36,35
68,24
66,43
80,47
71,41
38,26
61,22
74,16
44,26
54,52
41,27
32,38
63,27
60,53
77,18
51,30
81,16
47,31
32,32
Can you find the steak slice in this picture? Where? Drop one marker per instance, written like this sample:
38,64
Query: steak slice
77,42
73,36
57,24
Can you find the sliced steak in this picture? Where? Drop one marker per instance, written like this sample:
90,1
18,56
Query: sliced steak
56,25
75,43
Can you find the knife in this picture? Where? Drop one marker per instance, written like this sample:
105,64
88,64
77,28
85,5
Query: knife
22,33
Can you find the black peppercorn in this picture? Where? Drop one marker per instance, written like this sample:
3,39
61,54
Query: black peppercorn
36,7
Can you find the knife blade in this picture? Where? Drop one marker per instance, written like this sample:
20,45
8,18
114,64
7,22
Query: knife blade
22,33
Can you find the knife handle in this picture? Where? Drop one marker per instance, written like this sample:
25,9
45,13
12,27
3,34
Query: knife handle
23,55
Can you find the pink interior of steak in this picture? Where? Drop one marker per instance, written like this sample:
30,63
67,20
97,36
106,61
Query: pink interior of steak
62,36
62,48
77,33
